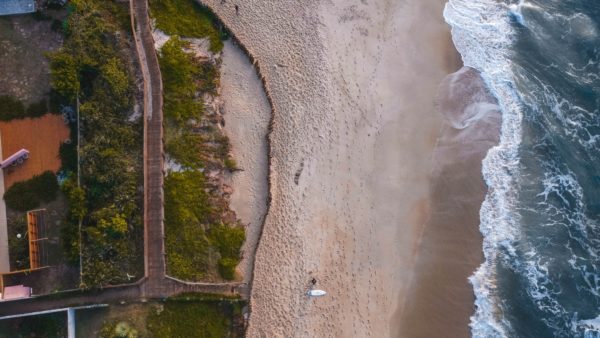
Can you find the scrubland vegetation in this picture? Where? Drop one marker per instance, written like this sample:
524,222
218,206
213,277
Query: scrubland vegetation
94,67
201,242
186,18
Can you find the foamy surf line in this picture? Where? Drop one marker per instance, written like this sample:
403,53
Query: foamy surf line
483,36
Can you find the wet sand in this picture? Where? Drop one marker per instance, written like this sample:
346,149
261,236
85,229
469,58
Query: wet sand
352,176
440,299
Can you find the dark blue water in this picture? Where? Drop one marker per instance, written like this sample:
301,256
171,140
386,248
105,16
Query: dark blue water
541,216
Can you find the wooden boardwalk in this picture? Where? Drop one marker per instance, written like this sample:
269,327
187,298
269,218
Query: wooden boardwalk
155,284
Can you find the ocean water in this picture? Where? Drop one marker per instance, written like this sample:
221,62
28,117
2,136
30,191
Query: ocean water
541,217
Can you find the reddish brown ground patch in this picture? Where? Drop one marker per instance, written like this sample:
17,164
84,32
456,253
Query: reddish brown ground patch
42,137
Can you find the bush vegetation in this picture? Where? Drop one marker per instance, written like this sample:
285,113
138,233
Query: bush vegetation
179,75
28,195
199,319
199,243
186,216
120,329
187,18
90,66
52,325
13,109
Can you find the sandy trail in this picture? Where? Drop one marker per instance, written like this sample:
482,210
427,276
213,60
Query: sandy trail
247,113
353,86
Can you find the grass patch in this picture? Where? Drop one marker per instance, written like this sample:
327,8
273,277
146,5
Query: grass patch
42,326
28,195
187,18
206,319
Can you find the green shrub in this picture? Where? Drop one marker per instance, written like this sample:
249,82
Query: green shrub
11,108
179,70
230,164
121,329
65,74
185,150
68,156
37,109
188,19
28,195
186,211
228,239
227,268
208,78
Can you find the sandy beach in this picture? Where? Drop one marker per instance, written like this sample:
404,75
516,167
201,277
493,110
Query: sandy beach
247,114
353,88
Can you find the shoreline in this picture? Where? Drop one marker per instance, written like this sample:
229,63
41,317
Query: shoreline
354,128
441,299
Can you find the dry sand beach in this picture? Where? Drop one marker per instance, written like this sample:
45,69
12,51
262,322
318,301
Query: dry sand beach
355,125
247,114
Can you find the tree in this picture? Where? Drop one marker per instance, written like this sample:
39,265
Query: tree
65,74
76,198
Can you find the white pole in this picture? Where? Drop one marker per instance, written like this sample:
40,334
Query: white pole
71,322
78,186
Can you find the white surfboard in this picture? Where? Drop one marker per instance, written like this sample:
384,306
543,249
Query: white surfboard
316,293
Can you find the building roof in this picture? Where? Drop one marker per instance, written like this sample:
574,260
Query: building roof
9,7
17,291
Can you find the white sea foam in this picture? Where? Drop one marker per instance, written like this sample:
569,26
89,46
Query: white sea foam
482,34
590,327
